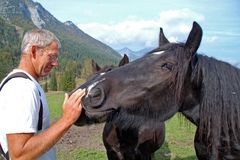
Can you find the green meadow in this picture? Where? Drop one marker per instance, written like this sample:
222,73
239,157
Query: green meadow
178,142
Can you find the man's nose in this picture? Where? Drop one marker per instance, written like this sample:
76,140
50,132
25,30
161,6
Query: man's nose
54,63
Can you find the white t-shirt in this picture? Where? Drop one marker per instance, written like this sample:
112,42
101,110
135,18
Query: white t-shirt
19,110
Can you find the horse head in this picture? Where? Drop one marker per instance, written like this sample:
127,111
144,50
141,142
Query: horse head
97,71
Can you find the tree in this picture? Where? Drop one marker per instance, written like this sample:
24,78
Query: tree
67,81
87,68
53,82
45,87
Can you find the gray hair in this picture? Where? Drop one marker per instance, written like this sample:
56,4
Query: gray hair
39,37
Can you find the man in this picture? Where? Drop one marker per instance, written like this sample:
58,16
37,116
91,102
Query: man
20,100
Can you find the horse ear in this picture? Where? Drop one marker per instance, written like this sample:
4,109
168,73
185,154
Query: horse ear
194,38
162,39
95,66
125,60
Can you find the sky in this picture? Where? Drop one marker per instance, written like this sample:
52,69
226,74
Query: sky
135,23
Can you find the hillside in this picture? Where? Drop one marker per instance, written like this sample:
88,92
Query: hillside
9,47
18,16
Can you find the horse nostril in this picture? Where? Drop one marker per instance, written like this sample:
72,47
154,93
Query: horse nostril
94,97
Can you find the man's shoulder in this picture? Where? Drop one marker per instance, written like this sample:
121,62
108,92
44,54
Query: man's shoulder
19,85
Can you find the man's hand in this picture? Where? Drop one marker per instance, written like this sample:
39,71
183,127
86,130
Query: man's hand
72,106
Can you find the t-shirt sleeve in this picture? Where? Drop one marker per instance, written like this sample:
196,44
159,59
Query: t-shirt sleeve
21,106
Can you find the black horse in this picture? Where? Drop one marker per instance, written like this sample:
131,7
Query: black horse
174,78
124,141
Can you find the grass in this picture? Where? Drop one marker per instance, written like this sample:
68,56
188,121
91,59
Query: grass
83,154
55,101
178,142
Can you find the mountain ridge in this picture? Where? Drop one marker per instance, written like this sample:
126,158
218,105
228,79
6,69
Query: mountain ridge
27,14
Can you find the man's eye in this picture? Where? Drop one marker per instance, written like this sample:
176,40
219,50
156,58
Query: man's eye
53,57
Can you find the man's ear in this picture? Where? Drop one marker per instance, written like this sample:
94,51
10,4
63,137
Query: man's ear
33,51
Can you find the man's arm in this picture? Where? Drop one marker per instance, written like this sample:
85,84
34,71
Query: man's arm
30,146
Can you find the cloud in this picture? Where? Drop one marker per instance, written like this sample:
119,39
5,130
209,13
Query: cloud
137,33
211,39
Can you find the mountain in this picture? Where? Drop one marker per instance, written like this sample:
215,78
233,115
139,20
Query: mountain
134,54
23,15
131,54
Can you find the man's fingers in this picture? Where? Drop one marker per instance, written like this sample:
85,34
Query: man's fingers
77,95
80,98
66,98
81,92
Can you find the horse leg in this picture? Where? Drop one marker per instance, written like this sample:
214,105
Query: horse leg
150,140
111,142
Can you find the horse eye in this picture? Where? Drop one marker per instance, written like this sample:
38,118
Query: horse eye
167,66
109,69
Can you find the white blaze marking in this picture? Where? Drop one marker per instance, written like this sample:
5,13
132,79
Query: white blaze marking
102,73
157,53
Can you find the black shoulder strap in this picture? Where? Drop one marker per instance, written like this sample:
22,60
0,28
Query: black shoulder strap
40,116
14,75
5,156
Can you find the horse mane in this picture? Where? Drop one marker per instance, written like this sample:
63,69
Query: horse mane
220,100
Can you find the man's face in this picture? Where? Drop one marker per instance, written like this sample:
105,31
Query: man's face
48,59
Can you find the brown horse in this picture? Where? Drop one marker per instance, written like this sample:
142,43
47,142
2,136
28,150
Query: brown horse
174,78
124,141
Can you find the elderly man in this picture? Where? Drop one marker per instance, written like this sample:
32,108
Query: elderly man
23,103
